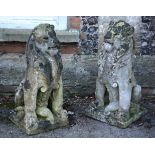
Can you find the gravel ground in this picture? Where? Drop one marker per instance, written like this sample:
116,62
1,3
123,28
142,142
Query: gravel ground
84,127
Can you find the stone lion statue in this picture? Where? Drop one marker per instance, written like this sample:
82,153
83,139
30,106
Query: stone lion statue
115,71
40,94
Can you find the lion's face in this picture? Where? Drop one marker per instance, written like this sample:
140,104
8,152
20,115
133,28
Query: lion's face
119,37
46,39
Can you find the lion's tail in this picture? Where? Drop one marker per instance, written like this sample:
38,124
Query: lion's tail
19,96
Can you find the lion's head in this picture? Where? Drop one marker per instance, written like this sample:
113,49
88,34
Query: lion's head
120,28
43,39
119,37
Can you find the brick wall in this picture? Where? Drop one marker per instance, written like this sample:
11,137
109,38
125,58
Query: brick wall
17,43
19,47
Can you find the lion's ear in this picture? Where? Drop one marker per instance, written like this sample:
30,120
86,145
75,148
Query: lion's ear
32,36
33,33
52,26
111,23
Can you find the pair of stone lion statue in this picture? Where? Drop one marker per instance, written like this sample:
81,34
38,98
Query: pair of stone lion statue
40,94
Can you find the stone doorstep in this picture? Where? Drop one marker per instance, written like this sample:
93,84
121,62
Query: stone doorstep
22,35
44,126
99,115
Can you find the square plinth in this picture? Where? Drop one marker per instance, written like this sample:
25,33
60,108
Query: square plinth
43,126
112,119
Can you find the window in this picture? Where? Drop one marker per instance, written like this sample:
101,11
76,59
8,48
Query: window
18,28
29,22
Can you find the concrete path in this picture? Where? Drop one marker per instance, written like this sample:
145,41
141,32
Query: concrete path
84,127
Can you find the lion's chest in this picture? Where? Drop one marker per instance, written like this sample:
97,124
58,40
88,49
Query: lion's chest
46,74
110,66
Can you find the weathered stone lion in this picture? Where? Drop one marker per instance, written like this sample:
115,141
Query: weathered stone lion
40,94
115,72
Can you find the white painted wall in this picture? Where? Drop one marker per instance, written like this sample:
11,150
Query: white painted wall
29,22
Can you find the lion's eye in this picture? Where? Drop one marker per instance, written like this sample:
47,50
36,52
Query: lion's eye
49,48
45,38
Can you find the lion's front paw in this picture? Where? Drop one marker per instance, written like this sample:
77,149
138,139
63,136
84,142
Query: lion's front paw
45,113
19,113
113,106
62,116
98,104
31,121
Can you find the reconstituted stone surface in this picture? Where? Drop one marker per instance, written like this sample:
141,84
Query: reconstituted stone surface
39,96
134,21
43,127
116,76
111,120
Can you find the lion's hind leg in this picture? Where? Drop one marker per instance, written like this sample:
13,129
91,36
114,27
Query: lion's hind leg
57,102
113,97
42,106
19,102
45,113
30,94
99,94
19,96
136,93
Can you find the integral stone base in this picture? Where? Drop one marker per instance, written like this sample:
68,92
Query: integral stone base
43,126
111,119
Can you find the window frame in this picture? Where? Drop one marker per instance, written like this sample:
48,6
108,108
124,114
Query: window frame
20,34
29,22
